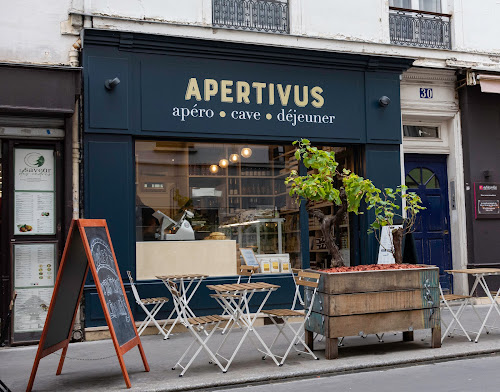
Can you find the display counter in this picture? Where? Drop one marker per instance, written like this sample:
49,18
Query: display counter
213,258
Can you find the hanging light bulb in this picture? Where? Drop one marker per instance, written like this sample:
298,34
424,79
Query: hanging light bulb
214,169
234,158
246,152
223,163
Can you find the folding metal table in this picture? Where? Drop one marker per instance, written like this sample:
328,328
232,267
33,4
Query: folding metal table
235,299
480,274
187,286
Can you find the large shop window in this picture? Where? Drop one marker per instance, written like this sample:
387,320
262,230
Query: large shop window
203,191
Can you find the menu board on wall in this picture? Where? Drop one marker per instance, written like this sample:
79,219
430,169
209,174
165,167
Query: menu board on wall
487,200
31,308
34,265
34,192
34,275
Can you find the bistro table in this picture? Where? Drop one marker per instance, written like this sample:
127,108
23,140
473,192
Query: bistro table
187,286
235,299
480,274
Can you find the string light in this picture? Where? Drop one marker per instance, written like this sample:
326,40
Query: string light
214,169
246,152
223,163
234,158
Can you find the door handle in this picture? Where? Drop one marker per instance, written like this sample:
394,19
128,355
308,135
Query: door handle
446,232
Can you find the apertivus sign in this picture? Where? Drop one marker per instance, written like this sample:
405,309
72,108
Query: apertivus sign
214,96
487,200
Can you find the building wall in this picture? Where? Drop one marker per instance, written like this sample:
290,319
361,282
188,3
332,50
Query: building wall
481,141
44,34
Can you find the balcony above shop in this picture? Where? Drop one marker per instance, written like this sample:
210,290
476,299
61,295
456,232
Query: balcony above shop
270,16
419,28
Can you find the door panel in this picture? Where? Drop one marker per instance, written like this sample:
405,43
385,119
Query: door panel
426,176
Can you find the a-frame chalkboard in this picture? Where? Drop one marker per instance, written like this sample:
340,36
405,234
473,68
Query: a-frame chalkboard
88,246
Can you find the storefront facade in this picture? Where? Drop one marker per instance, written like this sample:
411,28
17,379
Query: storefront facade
37,109
175,124
433,167
480,107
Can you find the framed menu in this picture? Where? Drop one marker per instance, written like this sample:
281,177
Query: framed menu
34,277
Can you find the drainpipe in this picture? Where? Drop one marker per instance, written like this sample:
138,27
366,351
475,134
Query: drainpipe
77,333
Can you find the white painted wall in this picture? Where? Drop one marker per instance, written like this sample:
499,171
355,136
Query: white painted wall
30,31
35,31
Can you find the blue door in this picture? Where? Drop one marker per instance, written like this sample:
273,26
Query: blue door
426,176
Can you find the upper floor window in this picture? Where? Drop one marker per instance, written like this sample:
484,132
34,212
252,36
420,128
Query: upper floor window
419,23
257,15
422,5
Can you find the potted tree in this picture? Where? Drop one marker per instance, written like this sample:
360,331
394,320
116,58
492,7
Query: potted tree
354,301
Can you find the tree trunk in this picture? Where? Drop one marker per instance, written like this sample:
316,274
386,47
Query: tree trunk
397,239
327,223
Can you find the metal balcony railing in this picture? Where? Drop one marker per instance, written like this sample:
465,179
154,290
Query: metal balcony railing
255,15
419,28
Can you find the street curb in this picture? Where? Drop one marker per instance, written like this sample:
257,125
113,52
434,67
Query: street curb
324,372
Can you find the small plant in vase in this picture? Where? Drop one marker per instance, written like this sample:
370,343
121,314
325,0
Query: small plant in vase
319,185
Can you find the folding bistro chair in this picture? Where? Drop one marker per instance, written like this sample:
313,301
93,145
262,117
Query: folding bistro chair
306,279
197,326
446,300
143,303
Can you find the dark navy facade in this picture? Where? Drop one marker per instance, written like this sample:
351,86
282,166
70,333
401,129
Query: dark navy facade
332,99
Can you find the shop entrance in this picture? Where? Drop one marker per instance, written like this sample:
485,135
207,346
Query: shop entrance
426,175
30,234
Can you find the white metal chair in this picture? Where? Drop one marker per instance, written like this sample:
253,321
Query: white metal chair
446,300
306,279
197,326
157,303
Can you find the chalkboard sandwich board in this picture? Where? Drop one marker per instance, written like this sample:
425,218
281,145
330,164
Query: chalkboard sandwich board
88,246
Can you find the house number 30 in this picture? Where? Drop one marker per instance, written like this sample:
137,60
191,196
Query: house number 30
426,93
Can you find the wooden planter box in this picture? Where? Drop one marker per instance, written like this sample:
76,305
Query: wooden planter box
374,302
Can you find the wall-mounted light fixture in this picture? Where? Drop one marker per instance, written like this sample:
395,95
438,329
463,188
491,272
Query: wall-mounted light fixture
384,101
110,84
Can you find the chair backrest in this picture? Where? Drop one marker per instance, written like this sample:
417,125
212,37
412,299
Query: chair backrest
308,279
134,289
246,270
298,295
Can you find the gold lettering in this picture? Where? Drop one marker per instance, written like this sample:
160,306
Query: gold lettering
318,99
305,97
284,95
258,91
225,90
271,93
211,88
242,92
192,90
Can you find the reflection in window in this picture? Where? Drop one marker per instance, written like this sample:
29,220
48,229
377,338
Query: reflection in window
420,131
231,191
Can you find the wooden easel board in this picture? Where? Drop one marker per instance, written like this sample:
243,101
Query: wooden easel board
88,247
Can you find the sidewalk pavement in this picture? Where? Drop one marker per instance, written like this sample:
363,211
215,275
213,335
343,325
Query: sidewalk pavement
83,371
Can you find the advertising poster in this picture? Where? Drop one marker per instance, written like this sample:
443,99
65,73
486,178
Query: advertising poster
487,200
34,192
34,265
34,170
30,309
